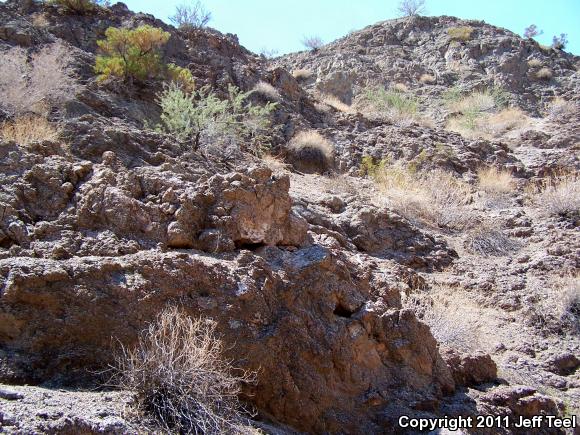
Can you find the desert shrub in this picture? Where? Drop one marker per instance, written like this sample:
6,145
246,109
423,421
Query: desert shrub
488,240
268,53
411,8
559,108
302,74
192,116
461,33
435,198
544,74
267,90
427,79
532,31
189,17
559,195
180,380
560,42
181,76
312,42
131,54
557,307
534,63
27,129
78,6
446,319
400,87
31,84
310,152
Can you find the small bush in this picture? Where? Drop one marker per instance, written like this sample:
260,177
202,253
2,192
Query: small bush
488,240
32,83
560,42
534,63
559,196
462,33
337,104
189,17
312,42
495,180
190,117
268,91
311,153
388,103
427,79
131,54
268,53
180,381
77,6
560,108
27,129
302,74
411,8
181,76
544,74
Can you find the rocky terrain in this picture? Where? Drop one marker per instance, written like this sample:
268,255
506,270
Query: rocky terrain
356,296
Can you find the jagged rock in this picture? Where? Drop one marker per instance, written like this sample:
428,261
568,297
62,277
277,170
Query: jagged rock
470,369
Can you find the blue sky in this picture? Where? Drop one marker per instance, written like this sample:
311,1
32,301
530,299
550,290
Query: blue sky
280,26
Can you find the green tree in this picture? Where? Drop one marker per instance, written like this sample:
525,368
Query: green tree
131,54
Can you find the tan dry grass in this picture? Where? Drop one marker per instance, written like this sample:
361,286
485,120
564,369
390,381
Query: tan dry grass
493,180
559,195
435,198
268,91
544,74
335,103
427,79
461,33
27,129
534,63
311,152
302,74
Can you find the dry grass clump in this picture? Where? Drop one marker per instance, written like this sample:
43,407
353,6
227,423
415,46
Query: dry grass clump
302,74
435,198
394,105
461,33
427,79
488,240
310,152
337,104
559,196
40,21
495,180
560,108
558,305
27,129
33,84
544,74
534,63
400,87
180,381
268,91
446,317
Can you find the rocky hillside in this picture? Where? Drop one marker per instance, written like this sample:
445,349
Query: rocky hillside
407,245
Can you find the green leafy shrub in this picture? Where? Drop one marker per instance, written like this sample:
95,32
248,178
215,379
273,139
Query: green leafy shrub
189,115
386,100
181,76
131,54
461,33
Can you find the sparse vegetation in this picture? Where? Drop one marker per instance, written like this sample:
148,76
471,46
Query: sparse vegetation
302,74
489,240
77,6
411,8
560,108
427,79
534,63
27,129
131,54
532,31
191,16
544,74
268,53
559,195
560,42
312,42
311,152
33,83
461,33
494,180
180,379
337,104
435,198
202,115
268,91
386,103
181,76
